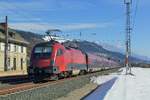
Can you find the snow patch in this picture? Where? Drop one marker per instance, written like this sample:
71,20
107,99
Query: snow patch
128,87
102,79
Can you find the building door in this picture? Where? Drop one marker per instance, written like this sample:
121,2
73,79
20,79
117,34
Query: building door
8,67
14,62
21,64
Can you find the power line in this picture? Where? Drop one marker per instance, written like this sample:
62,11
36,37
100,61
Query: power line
23,14
135,14
26,15
29,16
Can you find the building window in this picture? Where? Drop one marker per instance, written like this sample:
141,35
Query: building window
21,63
0,46
9,47
11,34
21,49
15,48
14,64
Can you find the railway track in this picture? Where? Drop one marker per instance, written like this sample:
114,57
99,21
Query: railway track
30,85
14,79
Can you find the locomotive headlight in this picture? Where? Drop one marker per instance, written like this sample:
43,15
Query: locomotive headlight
55,70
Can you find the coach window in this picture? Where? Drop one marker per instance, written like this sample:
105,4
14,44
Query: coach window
59,52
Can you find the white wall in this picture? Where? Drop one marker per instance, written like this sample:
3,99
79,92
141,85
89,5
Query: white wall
19,49
12,48
2,46
24,49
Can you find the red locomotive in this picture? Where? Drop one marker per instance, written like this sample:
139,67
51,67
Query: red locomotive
52,59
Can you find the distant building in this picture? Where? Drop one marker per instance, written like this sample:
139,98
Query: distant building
17,53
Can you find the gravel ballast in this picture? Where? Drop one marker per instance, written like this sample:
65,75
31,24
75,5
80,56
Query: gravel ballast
52,92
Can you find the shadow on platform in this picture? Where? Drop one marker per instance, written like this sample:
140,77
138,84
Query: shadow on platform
100,92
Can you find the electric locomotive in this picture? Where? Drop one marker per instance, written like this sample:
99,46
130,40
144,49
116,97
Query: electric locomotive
54,60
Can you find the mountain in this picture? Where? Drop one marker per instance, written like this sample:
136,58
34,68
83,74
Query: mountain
86,46
141,57
31,37
92,47
111,47
121,50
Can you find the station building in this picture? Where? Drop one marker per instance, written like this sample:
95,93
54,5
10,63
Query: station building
17,53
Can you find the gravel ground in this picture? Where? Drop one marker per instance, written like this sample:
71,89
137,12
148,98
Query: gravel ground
53,92
78,94
4,85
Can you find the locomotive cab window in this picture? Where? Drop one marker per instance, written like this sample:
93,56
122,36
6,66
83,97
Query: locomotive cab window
59,52
42,51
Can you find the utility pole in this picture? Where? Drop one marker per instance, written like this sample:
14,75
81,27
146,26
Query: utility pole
128,36
6,45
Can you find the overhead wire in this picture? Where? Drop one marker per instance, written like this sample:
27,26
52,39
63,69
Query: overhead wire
135,14
23,14
30,16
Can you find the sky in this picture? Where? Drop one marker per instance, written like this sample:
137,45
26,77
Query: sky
96,20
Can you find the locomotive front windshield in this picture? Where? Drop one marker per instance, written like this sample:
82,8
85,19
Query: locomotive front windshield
42,52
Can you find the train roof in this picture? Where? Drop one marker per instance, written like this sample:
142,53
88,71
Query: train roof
47,43
68,47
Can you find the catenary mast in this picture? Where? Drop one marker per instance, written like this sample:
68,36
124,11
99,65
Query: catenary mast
128,35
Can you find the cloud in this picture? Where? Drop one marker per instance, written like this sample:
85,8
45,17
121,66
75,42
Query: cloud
120,45
37,9
25,8
35,27
44,5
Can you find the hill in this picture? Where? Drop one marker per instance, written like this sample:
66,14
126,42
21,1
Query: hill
94,48
86,46
32,38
